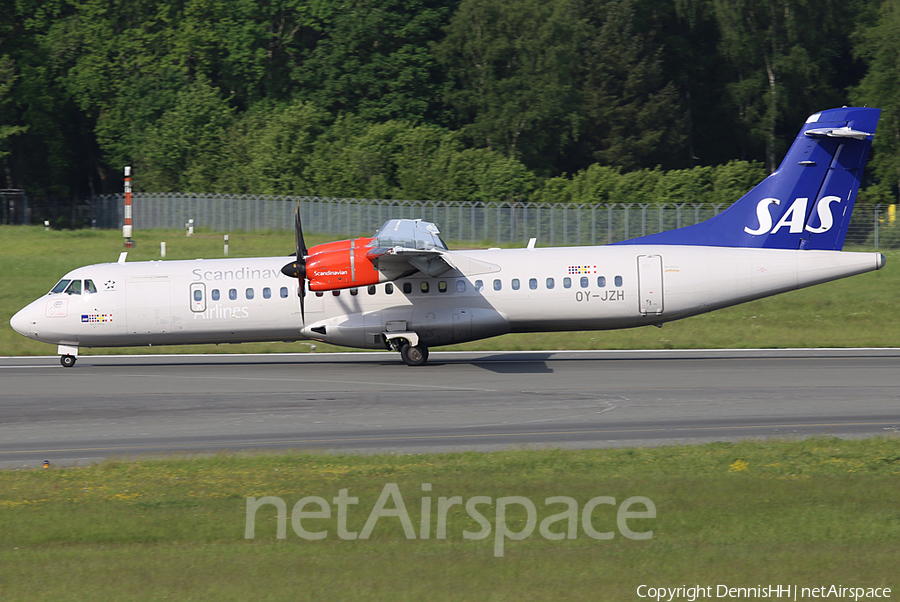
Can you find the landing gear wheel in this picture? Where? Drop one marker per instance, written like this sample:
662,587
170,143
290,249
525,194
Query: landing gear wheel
414,356
67,361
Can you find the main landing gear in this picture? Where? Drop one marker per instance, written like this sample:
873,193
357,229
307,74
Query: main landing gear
414,355
67,361
412,352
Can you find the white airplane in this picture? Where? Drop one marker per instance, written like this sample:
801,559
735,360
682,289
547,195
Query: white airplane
404,290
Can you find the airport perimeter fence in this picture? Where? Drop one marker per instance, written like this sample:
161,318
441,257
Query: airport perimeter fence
14,206
552,224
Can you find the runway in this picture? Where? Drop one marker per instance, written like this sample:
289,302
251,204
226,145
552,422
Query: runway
146,405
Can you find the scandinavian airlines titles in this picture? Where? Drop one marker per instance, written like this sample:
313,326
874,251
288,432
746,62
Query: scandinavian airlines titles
243,273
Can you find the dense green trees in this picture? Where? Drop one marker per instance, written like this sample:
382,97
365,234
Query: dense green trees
878,43
372,58
437,99
722,184
785,55
8,77
511,66
632,114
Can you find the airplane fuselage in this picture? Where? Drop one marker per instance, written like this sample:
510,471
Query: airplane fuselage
525,290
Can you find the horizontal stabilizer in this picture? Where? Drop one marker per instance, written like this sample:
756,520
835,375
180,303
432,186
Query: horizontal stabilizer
843,132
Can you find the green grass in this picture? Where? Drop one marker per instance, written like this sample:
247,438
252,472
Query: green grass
810,513
854,312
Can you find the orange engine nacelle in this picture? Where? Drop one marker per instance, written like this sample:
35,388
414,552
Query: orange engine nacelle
341,264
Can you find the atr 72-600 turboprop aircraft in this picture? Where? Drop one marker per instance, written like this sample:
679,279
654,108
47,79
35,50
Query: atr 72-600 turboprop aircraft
404,290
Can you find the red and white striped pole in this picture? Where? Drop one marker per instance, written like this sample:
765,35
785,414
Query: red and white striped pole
126,229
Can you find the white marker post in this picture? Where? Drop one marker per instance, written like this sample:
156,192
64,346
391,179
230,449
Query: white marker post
226,245
162,250
126,229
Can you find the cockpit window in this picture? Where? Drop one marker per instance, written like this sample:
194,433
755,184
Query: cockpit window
89,286
74,288
60,286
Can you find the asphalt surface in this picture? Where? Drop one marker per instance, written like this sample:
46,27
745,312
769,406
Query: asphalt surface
109,406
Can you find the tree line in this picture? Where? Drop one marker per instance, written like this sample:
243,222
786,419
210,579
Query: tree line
549,100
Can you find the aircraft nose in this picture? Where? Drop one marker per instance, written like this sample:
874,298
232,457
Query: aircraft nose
21,322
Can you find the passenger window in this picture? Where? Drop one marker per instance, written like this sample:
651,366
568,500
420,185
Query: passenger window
532,283
567,282
424,287
283,292
215,294
584,282
354,292
249,293
267,293
319,293
618,281
60,286
232,294
371,289
601,281
550,283
479,285
442,287
389,288
74,288
89,286
460,286
407,287
497,285
198,295
336,293
515,284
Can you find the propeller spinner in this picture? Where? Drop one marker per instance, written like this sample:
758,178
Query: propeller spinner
297,269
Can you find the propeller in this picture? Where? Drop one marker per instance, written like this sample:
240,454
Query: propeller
297,268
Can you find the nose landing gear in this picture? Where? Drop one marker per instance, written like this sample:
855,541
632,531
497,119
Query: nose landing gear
67,355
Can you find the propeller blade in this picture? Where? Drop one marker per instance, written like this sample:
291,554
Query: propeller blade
298,235
302,297
302,252
297,268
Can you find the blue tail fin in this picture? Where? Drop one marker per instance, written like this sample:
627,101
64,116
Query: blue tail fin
806,203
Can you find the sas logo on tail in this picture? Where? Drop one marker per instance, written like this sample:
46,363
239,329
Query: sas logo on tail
794,217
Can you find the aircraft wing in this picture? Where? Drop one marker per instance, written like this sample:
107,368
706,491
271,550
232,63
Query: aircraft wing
398,262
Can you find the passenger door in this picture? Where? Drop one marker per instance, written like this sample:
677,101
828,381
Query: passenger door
650,284
147,305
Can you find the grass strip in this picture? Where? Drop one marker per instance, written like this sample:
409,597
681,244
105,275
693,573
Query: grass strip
807,512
